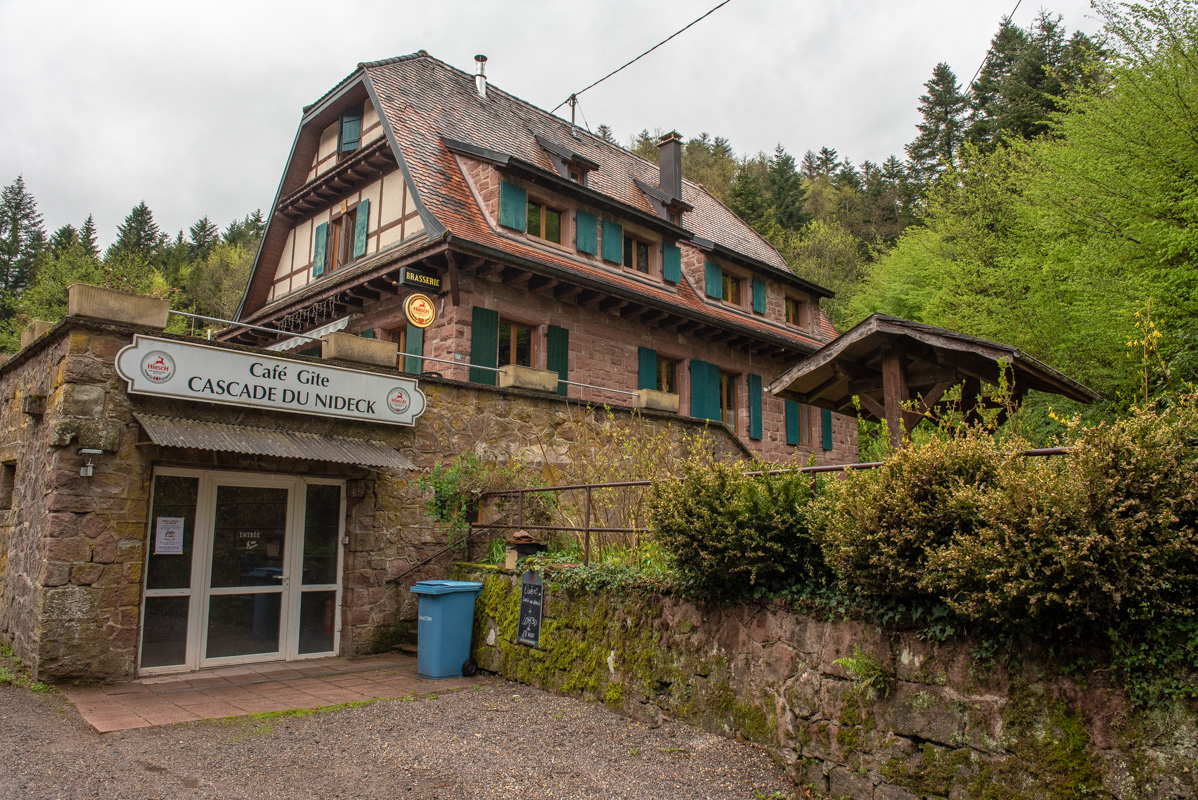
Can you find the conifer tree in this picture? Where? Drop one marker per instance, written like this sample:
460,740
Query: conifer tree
22,236
786,191
809,166
988,91
826,161
203,237
747,197
138,235
63,239
604,133
87,237
942,129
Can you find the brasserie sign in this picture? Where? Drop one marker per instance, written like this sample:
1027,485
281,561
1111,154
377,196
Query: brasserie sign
168,368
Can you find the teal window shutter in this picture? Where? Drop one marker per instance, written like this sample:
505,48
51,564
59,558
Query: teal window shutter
714,283
792,423
513,206
413,347
825,422
557,355
755,407
647,372
319,243
360,226
351,130
613,242
484,344
671,263
705,390
367,334
586,232
759,295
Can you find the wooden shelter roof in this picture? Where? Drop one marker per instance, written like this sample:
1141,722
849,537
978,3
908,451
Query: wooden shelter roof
852,365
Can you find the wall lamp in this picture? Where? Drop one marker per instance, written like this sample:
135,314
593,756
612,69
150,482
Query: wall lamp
88,469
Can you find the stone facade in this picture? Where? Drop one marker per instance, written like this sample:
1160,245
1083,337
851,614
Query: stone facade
73,548
854,710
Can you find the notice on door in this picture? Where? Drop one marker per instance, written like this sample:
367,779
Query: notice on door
168,536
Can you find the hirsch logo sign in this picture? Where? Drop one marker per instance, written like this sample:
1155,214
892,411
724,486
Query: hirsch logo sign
229,377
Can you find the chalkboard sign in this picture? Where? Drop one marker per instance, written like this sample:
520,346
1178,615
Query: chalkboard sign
532,594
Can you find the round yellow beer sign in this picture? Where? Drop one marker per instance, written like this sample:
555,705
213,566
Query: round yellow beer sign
419,310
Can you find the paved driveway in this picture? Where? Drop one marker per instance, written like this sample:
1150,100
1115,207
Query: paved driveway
492,739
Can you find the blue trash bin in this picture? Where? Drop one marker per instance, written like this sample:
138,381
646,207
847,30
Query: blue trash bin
446,627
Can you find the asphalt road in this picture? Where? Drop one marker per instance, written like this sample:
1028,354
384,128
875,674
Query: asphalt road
497,740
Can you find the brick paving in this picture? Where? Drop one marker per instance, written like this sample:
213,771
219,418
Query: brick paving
252,689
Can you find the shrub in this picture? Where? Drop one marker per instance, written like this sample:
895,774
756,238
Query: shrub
734,536
1102,536
879,526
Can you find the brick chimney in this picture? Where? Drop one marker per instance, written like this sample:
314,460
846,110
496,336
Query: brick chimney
669,162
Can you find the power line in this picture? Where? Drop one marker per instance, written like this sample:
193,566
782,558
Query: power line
990,49
642,55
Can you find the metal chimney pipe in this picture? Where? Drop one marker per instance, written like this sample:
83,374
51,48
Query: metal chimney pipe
669,160
480,75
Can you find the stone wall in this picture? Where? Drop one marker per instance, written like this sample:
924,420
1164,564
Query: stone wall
853,710
72,549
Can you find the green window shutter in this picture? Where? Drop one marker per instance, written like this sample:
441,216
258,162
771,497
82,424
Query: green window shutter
755,407
318,247
705,390
484,344
759,295
586,232
360,226
557,355
513,206
647,372
367,334
714,279
671,263
413,347
351,130
825,422
792,423
613,242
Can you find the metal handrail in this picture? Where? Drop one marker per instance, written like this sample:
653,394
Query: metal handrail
243,325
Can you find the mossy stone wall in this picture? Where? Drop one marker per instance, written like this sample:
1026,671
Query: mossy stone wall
938,724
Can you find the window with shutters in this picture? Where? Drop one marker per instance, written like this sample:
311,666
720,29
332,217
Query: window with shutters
728,399
340,249
544,222
517,344
410,341
798,424
804,424
667,375
638,255
349,132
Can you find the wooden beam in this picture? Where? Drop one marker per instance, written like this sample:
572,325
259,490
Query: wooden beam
612,304
539,282
894,393
872,406
489,268
566,292
346,299
383,285
653,315
363,292
451,274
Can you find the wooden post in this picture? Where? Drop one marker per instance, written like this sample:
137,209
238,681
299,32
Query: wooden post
586,527
894,394
971,407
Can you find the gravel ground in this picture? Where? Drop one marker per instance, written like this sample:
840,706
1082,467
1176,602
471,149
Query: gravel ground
496,740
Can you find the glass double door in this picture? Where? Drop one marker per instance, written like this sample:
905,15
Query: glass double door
240,568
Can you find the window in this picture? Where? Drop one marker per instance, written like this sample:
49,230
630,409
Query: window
798,312
8,479
516,344
578,176
731,290
728,399
400,337
340,250
798,424
667,375
349,134
674,216
544,222
636,255
804,424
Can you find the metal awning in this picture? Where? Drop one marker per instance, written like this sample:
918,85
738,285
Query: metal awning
199,435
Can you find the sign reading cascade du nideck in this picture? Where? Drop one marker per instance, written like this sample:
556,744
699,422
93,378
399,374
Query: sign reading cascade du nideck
167,368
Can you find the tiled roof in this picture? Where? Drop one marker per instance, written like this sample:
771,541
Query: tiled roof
425,100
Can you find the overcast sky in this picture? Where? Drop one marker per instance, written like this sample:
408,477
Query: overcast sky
193,107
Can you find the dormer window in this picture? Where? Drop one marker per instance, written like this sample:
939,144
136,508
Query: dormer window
637,255
798,312
578,175
544,222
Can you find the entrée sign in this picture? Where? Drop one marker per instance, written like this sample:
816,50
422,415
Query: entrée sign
167,368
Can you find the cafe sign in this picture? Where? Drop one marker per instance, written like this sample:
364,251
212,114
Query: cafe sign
186,371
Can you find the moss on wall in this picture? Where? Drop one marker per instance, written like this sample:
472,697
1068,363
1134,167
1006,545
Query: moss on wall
769,676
